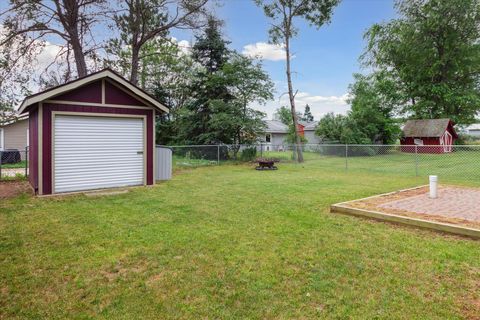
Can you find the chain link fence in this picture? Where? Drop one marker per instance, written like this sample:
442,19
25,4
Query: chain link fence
451,163
13,164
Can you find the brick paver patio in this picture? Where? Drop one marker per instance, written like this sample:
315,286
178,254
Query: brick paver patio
452,202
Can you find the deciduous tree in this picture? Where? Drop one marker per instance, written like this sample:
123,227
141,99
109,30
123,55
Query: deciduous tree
371,119
372,114
71,22
432,53
142,21
284,115
283,14
248,83
332,128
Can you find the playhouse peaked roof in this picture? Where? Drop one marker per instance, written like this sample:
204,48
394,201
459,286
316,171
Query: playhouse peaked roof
426,128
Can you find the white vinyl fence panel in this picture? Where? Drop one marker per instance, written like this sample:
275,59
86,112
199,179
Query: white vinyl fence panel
93,152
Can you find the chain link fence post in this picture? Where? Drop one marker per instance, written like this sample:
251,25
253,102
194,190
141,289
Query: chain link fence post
416,161
26,162
458,163
346,156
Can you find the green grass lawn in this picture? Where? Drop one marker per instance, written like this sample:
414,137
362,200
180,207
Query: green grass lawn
182,162
229,242
459,167
20,164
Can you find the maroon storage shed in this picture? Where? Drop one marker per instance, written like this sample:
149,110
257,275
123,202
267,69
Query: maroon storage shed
430,136
92,133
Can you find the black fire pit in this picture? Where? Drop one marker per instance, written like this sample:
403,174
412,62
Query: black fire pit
266,164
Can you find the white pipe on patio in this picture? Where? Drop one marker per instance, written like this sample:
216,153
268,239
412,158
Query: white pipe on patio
433,187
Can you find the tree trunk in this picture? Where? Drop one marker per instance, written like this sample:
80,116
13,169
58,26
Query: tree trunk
135,65
291,96
70,22
78,54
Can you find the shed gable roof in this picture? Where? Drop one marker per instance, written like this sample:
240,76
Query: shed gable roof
310,126
275,126
12,120
106,73
426,128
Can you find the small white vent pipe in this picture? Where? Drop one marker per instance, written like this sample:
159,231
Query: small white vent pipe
433,187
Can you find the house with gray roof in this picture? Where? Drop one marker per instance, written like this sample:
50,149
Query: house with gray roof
309,131
472,130
14,135
275,136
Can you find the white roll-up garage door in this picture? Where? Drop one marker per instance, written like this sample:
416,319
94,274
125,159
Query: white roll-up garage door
93,152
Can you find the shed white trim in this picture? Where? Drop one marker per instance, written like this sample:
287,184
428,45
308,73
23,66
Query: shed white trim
88,79
93,104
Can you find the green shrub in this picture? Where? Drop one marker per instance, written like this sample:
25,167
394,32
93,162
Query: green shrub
249,154
16,177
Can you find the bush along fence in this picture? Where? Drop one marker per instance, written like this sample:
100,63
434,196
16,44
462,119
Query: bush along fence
13,164
456,162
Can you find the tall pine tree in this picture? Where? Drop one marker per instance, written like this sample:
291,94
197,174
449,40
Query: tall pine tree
209,89
307,115
224,86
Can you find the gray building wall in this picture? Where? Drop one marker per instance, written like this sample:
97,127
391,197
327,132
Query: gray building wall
278,138
277,141
474,132
311,137
15,136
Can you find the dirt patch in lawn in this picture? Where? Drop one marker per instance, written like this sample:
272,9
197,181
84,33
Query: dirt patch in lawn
470,303
455,205
11,189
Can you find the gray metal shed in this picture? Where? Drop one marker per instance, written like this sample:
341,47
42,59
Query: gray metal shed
163,163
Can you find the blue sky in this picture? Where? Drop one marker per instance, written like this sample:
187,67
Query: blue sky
324,59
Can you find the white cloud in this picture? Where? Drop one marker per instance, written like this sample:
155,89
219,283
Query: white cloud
43,53
184,46
47,55
323,100
265,51
319,105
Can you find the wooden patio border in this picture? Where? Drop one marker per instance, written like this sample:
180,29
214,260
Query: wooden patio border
344,208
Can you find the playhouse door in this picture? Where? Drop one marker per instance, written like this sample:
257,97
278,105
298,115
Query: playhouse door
447,140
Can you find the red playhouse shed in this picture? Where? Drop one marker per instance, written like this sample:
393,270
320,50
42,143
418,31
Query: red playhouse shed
91,133
430,136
